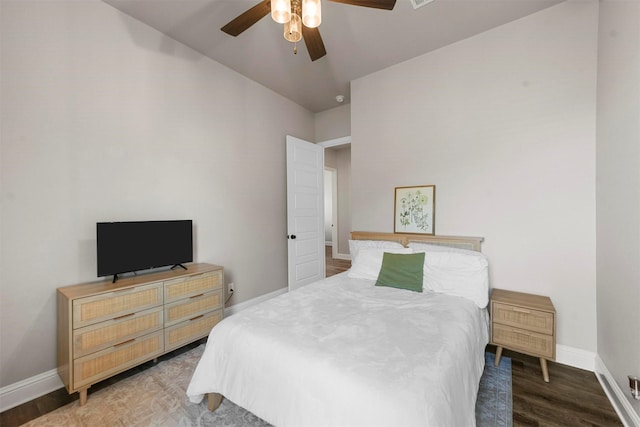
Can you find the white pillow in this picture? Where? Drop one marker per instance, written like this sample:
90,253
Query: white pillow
368,262
429,247
457,272
356,245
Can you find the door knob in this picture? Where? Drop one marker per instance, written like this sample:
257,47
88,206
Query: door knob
292,236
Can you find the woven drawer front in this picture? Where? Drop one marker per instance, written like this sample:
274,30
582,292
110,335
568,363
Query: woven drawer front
90,310
193,285
191,307
103,364
191,330
527,342
111,332
532,320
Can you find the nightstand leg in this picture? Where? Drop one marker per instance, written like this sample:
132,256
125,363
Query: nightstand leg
545,370
496,362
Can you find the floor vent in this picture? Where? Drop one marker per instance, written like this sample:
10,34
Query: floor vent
419,3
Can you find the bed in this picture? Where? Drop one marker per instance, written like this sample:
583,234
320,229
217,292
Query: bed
346,351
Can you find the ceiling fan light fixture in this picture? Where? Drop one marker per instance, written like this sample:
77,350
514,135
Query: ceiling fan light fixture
293,29
311,13
281,11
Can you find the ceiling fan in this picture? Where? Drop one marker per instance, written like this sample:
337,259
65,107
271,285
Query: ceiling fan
289,12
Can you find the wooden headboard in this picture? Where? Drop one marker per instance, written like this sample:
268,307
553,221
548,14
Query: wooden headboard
470,243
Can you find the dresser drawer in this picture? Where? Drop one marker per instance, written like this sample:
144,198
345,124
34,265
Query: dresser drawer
532,343
191,330
111,332
103,364
190,307
189,286
97,308
529,319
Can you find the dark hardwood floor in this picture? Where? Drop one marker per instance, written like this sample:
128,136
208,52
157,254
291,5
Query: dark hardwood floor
333,265
573,397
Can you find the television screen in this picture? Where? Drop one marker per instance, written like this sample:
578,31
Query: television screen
140,245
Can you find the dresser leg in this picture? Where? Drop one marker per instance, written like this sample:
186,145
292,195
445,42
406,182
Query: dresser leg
545,370
214,400
83,396
496,362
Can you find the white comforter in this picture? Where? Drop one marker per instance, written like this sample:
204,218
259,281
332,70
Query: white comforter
343,352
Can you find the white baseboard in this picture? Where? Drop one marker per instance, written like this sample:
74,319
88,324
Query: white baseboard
29,389
236,308
346,257
617,397
576,357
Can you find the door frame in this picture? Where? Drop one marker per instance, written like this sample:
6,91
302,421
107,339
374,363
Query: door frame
335,142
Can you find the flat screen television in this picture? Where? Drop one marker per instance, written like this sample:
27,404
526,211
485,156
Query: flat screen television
123,247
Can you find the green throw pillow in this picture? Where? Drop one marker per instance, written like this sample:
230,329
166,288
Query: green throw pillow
403,271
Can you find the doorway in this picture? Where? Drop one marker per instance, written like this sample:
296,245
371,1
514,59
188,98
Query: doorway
331,208
337,164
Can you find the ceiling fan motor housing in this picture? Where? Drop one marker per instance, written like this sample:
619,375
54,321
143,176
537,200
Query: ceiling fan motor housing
283,14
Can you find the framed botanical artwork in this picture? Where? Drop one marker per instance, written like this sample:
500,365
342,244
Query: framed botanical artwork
415,209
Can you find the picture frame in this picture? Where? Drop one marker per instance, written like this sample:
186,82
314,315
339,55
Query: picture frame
415,209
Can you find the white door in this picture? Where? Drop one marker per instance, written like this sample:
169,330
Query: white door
305,212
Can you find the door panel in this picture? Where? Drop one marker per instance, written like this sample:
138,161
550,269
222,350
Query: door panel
305,212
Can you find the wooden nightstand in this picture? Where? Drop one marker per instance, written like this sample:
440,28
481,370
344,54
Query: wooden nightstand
525,323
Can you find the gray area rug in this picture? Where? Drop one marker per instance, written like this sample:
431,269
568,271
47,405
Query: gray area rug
157,397
494,404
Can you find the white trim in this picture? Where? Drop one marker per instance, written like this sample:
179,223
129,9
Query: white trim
236,308
575,357
617,397
345,257
26,390
335,142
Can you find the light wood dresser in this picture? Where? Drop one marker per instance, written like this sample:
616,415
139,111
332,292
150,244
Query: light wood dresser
105,328
525,323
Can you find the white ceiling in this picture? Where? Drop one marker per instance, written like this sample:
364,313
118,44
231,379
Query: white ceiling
358,40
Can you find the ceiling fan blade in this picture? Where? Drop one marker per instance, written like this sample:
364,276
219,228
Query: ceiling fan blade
248,18
314,43
378,4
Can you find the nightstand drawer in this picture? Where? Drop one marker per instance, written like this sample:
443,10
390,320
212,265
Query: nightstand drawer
532,343
525,318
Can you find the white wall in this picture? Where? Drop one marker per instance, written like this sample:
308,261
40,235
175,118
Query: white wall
103,118
333,123
503,124
618,191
